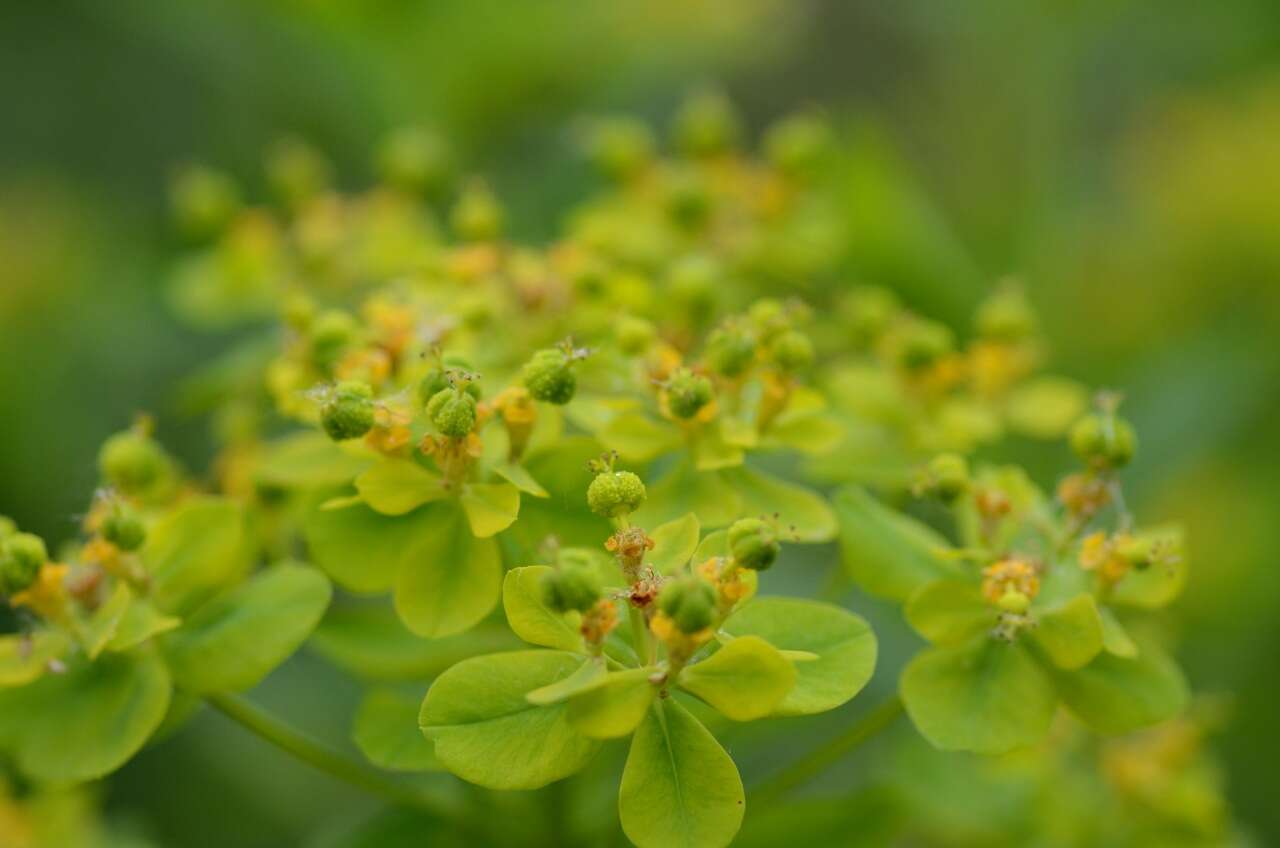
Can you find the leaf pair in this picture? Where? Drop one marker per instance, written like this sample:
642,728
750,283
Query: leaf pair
200,630
523,719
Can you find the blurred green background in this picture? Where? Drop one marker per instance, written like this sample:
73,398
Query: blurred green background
1122,158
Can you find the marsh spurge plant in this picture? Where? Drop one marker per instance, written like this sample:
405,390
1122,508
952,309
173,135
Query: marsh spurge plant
522,719
590,433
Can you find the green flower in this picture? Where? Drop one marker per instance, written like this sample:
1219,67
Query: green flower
572,586
687,393
132,462
452,411
1104,440
21,556
690,602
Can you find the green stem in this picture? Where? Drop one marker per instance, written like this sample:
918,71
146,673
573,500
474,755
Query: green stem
317,754
824,756
640,636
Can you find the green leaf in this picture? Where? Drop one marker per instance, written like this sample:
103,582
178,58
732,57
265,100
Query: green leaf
712,452
88,721
1115,639
715,544
398,486
684,490
531,619
25,658
490,507
947,612
1156,585
1046,407
102,625
450,580
592,673
307,460
835,650
988,697
745,680
360,549
887,553
486,731
1070,635
371,642
141,621
800,511
1113,694
679,787
235,640
637,438
194,552
614,707
673,544
519,476
386,731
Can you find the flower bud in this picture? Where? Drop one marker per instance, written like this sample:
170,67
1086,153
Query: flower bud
690,602
634,335
923,343
124,529
948,476
416,160
349,412
203,201
792,350
615,493
452,411
754,544
549,376
730,351
707,124
478,215
687,393
21,556
131,462
1104,440
797,144
620,147
572,586
1006,316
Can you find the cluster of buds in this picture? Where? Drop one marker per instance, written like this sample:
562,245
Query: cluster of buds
1112,557
1011,585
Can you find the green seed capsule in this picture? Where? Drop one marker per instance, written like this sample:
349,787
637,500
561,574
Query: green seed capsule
437,379
792,350
615,493
730,351
687,393
349,413
754,544
549,376
21,556
690,602
1104,441
453,412
124,529
572,586
132,462
1013,601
